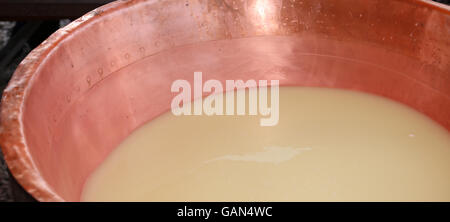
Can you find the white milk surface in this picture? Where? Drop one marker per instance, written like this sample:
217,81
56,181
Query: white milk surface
329,145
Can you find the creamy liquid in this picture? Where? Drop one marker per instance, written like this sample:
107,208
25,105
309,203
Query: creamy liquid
329,145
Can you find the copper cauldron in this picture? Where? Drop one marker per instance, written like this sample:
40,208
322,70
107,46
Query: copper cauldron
88,86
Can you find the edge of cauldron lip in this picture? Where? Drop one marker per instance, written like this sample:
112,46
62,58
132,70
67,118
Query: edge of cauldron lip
12,137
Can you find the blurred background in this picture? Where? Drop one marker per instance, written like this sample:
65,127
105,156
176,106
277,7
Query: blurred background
24,24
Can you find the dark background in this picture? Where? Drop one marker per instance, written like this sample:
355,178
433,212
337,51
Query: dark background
24,24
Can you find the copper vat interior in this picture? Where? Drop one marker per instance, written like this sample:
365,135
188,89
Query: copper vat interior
79,94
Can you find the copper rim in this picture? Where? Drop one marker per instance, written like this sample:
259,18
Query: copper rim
12,137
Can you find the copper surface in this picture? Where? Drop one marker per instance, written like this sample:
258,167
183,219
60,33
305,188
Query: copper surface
88,86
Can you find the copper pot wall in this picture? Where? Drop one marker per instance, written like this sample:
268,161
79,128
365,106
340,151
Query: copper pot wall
81,92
